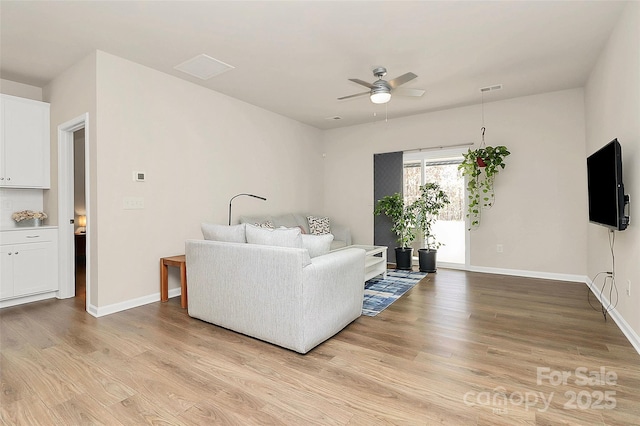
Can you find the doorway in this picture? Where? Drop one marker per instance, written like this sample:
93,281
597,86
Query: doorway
80,216
71,135
440,167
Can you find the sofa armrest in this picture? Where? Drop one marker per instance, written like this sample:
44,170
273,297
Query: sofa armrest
333,292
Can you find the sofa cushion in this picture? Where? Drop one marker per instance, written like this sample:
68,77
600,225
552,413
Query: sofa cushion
302,222
282,237
286,220
317,245
319,225
336,244
224,233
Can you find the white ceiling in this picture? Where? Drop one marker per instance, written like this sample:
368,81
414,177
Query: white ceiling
294,57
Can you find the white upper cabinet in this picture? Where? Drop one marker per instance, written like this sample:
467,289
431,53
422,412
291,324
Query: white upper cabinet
24,143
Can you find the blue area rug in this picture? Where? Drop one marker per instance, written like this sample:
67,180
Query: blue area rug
380,293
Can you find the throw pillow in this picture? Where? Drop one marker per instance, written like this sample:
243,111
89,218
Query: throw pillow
267,225
319,225
317,245
256,219
224,233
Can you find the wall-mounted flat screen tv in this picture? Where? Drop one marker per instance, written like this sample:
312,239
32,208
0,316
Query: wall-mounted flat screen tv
606,190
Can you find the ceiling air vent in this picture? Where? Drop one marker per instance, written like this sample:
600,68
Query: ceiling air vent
491,88
204,67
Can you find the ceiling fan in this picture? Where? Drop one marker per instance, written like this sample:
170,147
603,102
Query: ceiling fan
380,90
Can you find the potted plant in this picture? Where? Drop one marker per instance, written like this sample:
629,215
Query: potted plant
480,166
402,219
426,210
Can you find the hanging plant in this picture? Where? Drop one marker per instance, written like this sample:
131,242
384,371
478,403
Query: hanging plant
480,166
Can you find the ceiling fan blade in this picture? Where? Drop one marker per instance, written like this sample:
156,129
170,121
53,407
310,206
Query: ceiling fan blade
362,82
401,80
408,92
354,96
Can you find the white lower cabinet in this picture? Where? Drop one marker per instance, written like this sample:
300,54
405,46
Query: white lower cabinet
29,262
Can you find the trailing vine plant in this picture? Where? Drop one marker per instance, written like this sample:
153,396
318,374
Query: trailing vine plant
480,166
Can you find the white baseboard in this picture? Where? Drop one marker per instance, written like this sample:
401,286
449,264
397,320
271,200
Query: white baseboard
622,324
529,274
28,299
93,310
131,303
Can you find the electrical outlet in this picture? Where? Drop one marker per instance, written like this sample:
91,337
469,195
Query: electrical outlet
628,287
499,248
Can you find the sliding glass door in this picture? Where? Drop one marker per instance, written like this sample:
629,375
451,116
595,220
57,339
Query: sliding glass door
450,228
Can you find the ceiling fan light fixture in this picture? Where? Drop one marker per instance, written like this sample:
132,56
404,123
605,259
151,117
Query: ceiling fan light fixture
380,90
380,96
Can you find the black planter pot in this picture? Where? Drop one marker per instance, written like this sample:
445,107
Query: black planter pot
404,257
427,260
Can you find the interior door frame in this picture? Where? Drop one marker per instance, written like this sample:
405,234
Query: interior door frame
66,228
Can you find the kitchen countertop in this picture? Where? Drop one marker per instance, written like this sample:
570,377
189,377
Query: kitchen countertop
28,228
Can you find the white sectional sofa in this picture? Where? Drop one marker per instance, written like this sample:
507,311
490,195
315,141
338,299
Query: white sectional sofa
276,293
341,233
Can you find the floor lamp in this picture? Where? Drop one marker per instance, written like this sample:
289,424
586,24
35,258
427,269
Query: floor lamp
248,195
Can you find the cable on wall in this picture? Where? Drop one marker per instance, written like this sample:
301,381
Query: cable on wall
608,280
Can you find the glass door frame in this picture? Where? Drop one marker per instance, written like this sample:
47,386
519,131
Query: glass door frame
431,155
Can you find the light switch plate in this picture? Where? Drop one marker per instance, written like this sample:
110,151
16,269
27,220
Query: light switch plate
133,203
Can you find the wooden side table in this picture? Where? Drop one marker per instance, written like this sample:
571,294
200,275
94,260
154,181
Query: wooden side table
181,262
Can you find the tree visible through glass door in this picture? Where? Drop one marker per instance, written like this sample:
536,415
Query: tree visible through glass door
450,225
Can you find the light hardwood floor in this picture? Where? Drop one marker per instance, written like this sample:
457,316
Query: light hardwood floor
459,349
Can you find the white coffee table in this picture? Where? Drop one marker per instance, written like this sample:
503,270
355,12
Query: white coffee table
375,261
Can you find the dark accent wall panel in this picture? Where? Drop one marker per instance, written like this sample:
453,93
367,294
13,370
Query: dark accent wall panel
387,180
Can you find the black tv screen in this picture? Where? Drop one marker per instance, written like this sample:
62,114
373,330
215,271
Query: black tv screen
606,190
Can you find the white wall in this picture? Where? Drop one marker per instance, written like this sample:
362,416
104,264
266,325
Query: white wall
21,90
198,149
13,200
612,103
540,212
72,94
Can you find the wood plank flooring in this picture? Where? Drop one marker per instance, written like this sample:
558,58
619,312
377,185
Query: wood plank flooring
460,348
